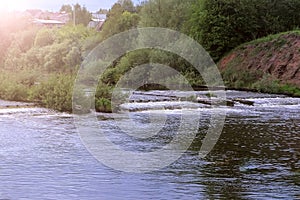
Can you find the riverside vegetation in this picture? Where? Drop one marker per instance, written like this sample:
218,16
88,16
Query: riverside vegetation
40,64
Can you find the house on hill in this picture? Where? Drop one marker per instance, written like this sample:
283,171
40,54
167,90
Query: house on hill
48,22
49,19
97,21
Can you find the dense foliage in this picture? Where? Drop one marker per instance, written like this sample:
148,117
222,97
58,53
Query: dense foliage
165,13
79,14
40,64
221,25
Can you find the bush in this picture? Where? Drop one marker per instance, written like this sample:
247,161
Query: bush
55,93
103,98
44,37
289,89
11,88
268,85
240,78
103,105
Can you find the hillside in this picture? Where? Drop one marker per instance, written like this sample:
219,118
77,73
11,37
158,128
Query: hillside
276,58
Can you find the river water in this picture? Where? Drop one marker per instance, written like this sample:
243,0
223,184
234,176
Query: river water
256,157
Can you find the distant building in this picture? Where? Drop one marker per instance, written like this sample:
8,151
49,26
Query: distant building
97,21
49,19
48,23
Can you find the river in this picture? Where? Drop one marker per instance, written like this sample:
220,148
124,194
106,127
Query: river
256,157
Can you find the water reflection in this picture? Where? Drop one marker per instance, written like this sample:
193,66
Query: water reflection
254,160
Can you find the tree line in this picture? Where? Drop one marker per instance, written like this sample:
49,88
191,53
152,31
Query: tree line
40,64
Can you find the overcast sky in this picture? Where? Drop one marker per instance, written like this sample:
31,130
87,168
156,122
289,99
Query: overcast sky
55,5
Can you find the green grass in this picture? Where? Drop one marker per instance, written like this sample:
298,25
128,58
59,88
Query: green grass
266,39
270,38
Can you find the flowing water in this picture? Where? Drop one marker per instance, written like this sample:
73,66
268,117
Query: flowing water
256,157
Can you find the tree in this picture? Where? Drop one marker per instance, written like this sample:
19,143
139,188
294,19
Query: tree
44,37
109,27
10,24
21,43
127,5
102,11
82,15
165,13
66,8
119,20
73,59
221,25
128,21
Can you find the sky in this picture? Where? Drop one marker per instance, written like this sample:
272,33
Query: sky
54,5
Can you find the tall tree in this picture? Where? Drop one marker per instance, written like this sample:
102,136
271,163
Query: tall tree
82,15
119,20
102,11
66,8
127,5
165,13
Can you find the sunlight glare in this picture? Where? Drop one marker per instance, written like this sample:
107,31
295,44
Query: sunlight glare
14,5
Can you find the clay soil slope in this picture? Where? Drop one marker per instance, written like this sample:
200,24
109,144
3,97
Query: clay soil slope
278,55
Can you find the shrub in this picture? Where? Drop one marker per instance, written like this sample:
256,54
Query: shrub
103,105
44,37
12,89
55,93
267,84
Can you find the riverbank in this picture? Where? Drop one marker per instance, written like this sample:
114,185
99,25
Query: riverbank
266,65
270,64
14,104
